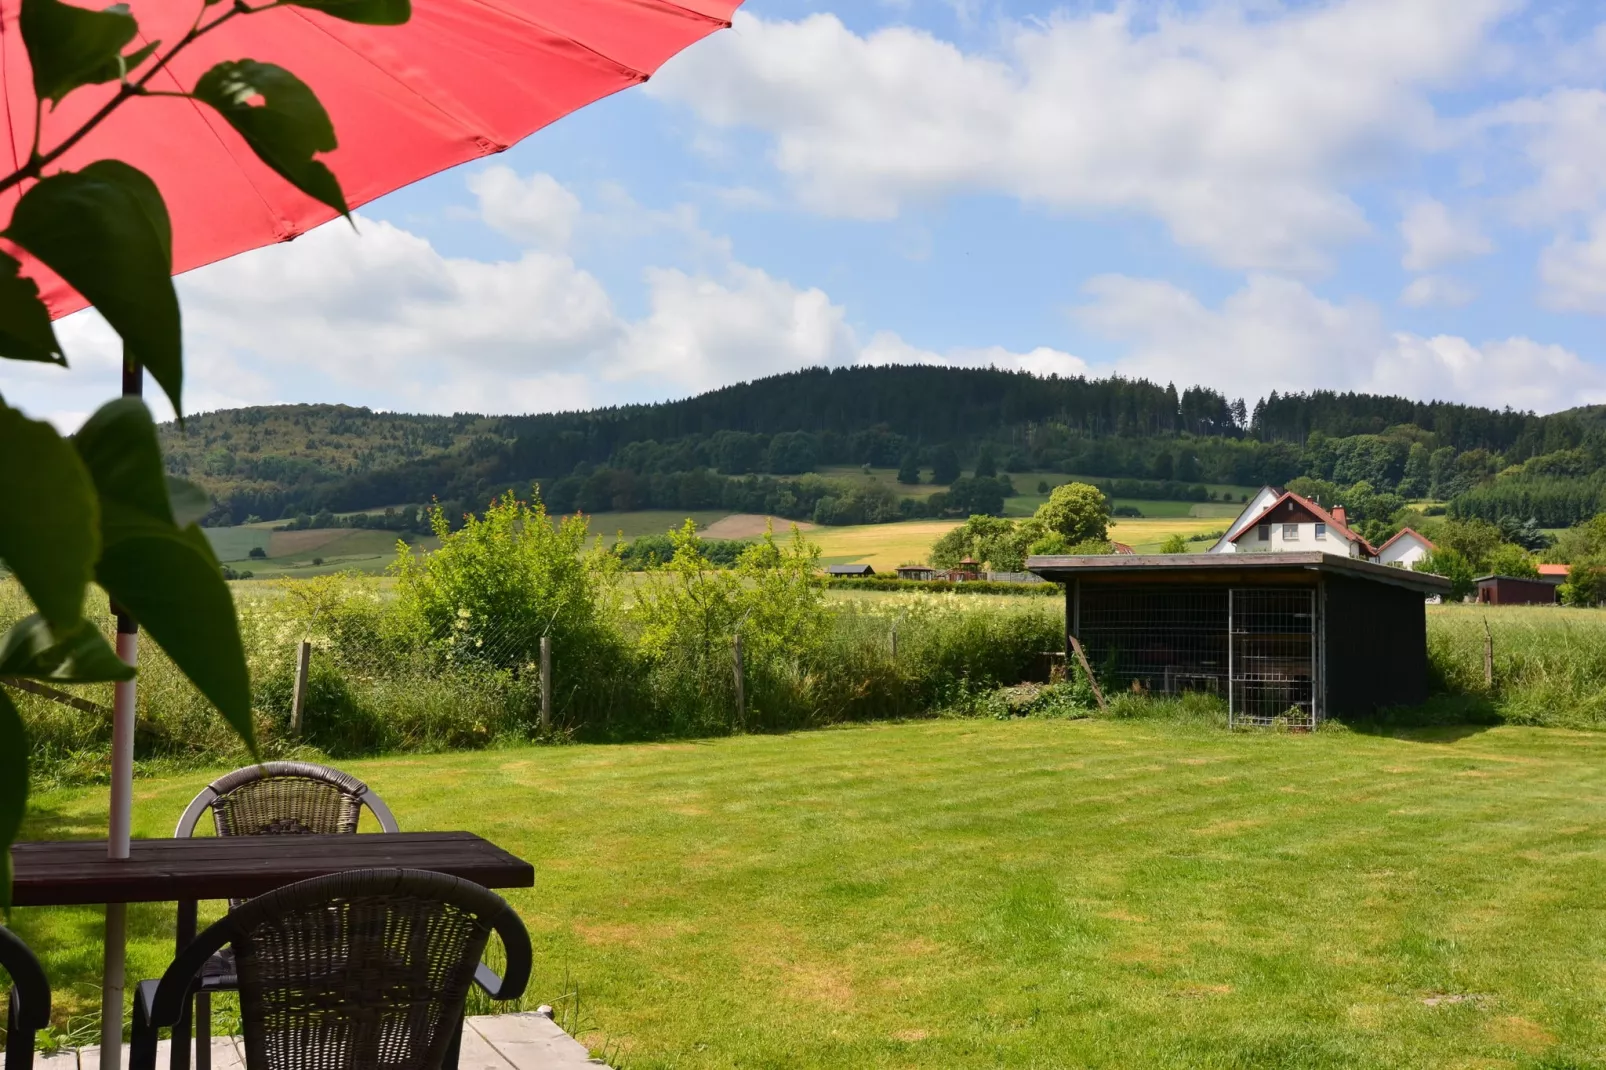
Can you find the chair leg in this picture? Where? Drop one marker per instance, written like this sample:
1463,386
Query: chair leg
185,932
454,1047
203,1031
19,1041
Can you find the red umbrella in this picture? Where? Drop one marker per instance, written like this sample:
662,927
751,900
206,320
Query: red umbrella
460,80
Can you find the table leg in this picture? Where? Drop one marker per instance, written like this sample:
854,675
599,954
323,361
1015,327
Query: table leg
203,1031
111,993
185,933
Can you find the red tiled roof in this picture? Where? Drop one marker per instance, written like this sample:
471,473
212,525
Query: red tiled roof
1314,510
1121,548
1404,532
1554,570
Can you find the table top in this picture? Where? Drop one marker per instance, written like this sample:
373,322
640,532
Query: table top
69,872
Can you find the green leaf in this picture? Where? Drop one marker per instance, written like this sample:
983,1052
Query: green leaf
190,502
370,12
50,524
13,789
26,332
71,46
171,582
281,119
117,68
105,230
80,655
120,449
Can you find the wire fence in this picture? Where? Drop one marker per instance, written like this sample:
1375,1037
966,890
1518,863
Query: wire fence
373,682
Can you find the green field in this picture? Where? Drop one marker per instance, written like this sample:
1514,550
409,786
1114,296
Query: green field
1026,503
291,553
982,894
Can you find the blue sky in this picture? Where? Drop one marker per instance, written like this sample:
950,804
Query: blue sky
1404,196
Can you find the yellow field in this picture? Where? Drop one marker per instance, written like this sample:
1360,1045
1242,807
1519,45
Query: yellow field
1148,532
886,546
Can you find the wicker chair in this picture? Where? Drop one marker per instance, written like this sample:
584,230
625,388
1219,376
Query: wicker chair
271,799
29,1009
366,970
279,798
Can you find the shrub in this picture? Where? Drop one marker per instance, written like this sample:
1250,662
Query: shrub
1454,567
1077,511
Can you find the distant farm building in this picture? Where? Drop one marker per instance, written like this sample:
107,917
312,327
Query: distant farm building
1555,573
1405,549
969,569
1295,635
918,572
849,570
1518,590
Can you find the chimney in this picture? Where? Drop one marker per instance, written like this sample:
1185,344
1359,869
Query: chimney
1338,515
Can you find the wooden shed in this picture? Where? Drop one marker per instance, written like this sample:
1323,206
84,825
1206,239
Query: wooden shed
1295,636
1518,590
854,571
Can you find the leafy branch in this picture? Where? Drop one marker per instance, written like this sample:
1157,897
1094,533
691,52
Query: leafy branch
99,506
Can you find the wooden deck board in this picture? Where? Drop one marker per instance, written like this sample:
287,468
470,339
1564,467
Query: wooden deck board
491,1042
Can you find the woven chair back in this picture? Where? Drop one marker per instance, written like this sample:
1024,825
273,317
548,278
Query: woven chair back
359,971
287,798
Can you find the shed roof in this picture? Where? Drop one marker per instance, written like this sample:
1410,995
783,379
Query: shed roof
1203,568
1548,581
1555,570
849,570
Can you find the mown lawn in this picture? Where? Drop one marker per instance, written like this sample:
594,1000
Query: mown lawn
1025,894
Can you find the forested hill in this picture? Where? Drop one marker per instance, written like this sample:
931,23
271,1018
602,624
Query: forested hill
283,460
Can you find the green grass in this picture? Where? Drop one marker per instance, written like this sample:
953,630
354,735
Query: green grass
650,521
1020,894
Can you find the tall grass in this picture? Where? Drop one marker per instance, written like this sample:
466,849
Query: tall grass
1549,662
377,688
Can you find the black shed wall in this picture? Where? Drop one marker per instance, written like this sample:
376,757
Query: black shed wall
1376,642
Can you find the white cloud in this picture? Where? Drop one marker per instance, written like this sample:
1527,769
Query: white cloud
1433,238
886,347
704,332
1562,138
1237,126
1276,334
1428,291
537,211
1574,271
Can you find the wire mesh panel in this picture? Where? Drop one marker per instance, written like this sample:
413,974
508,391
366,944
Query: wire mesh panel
1165,641
1273,656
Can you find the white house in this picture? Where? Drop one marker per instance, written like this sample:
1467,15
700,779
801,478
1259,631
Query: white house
1257,505
1405,549
1291,523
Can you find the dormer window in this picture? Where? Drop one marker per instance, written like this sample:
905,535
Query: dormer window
1321,531
1263,533
1290,533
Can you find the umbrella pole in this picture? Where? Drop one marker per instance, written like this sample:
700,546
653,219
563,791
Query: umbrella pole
122,805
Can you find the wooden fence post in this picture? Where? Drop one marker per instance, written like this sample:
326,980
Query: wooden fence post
298,704
894,642
1488,655
1081,656
741,683
546,684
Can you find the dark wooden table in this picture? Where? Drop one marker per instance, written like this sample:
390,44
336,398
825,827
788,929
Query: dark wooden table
77,872
72,872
